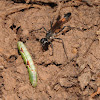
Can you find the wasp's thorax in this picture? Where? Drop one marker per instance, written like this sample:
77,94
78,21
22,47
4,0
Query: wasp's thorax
49,35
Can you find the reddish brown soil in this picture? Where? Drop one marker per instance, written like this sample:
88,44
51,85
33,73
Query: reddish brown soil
76,80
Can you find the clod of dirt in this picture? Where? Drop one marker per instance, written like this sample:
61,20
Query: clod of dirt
1,50
80,62
22,34
98,82
98,32
25,32
67,82
84,79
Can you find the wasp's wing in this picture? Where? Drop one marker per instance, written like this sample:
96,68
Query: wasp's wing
57,26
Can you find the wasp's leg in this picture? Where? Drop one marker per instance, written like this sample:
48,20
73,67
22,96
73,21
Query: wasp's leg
52,48
61,30
39,29
51,22
63,46
44,29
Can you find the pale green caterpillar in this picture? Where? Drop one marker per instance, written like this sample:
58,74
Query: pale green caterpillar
29,63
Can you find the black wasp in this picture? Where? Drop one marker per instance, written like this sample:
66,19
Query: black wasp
51,34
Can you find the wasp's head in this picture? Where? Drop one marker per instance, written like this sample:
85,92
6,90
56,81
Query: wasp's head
44,42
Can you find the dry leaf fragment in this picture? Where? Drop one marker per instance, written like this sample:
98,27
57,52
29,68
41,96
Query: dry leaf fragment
94,94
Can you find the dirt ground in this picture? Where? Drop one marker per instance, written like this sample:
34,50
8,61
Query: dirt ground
75,78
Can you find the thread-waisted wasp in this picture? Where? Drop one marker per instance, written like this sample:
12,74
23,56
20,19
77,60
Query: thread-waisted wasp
52,33
55,29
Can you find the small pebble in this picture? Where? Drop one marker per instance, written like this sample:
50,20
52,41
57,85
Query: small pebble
1,67
1,50
98,32
27,1
57,87
74,50
98,38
